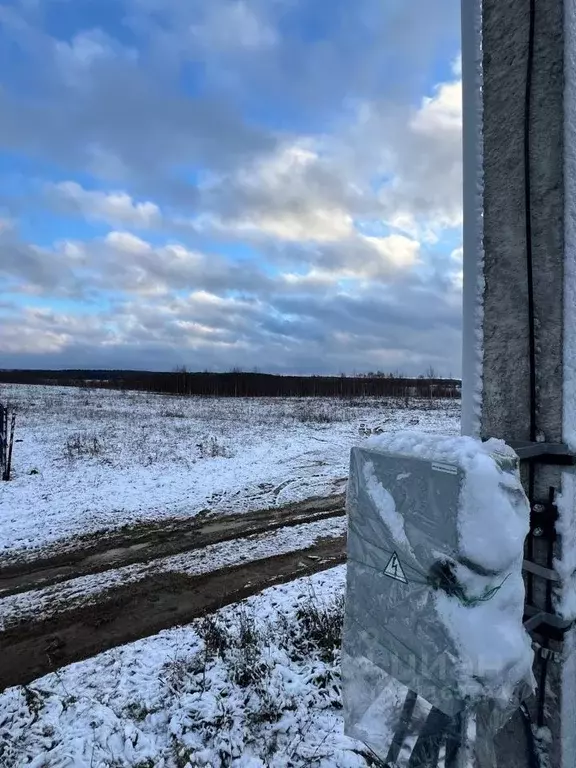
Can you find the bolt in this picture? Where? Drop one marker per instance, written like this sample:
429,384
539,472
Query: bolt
538,532
538,508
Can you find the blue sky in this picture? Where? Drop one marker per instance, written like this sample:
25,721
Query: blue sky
252,183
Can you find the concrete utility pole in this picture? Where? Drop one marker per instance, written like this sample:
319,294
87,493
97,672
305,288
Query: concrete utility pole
519,80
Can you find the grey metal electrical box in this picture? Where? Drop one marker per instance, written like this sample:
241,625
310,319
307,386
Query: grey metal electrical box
418,578
389,566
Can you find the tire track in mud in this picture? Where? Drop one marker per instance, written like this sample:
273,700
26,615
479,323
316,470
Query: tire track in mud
130,612
151,541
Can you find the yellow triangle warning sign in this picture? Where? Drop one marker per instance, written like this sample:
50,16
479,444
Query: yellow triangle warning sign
394,569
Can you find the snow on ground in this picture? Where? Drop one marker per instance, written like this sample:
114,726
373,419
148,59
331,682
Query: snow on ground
256,685
92,459
66,596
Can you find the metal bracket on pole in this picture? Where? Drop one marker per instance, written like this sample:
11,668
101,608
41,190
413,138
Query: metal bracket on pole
540,570
543,453
549,625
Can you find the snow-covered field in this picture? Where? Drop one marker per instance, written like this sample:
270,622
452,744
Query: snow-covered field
91,459
256,685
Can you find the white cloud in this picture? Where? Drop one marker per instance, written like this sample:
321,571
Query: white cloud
6,224
123,262
299,195
457,66
84,49
340,220
313,330
206,299
314,189
398,251
457,275
279,196
318,225
312,278
25,339
441,113
124,241
103,163
424,196
115,208
233,25
77,58
359,259
42,331
288,160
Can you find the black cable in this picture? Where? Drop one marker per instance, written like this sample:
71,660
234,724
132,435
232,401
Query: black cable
533,760
530,539
528,220
550,550
530,277
542,690
532,361
549,607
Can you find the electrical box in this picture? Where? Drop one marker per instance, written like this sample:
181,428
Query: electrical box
434,603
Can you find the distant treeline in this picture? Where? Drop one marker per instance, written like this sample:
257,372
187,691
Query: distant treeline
243,384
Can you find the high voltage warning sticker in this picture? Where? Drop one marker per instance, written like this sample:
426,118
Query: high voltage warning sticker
394,569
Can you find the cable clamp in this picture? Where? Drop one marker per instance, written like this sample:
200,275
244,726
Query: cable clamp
548,625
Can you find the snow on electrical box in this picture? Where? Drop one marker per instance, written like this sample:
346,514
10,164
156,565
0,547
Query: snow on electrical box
433,639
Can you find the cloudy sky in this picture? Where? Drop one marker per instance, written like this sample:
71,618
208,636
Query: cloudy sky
221,183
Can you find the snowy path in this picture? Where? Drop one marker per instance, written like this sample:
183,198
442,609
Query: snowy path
47,635
142,544
69,595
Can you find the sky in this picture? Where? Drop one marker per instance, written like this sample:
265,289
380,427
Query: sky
255,184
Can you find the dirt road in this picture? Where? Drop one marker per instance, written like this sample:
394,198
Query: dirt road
127,613
41,642
151,541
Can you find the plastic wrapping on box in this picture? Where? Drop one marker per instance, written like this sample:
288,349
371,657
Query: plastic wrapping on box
435,657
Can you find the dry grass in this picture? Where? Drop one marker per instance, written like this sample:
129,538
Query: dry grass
239,655
82,445
127,429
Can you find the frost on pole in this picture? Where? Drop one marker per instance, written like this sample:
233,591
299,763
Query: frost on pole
434,645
